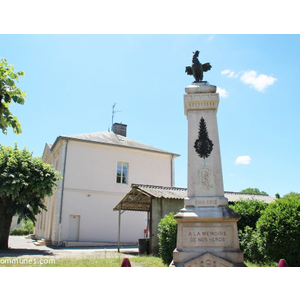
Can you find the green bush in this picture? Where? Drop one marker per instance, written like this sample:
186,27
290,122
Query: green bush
27,228
167,237
250,211
19,231
249,242
279,230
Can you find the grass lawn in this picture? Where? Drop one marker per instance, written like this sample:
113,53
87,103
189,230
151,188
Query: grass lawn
136,261
268,264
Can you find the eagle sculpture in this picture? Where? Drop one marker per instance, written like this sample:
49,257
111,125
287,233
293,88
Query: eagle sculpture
197,68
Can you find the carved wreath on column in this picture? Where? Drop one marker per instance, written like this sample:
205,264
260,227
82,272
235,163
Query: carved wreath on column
203,145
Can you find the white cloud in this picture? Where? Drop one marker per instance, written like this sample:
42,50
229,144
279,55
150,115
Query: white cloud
222,92
232,75
243,160
229,73
259,82
210,37
225,72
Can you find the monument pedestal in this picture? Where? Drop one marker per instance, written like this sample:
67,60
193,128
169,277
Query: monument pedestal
207,229
207,237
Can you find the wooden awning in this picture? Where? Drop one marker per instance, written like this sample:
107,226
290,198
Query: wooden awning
139,198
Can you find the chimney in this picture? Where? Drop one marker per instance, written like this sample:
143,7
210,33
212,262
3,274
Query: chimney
119,129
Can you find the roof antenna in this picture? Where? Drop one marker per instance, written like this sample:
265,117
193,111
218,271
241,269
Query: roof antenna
112,117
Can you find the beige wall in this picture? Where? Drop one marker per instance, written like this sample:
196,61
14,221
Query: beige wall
100,163
91,192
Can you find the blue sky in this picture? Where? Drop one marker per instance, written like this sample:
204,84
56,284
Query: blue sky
72,82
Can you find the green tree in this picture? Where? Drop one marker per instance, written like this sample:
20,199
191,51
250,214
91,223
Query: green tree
9,93
24,182
255,191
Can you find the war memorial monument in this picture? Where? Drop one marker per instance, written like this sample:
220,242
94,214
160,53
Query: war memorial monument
207,228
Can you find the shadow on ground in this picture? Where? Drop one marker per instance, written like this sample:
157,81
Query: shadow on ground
21,252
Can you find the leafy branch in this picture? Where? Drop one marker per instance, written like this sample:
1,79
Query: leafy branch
9,92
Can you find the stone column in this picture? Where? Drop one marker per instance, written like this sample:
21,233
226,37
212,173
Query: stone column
207,229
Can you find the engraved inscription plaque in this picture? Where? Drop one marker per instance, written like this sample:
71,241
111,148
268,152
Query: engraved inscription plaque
207,236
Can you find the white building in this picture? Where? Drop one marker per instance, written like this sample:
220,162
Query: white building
98,170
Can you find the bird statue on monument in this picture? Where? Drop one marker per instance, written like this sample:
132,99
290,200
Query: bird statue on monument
197,68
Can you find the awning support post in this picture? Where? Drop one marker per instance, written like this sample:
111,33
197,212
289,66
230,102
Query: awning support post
119,229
